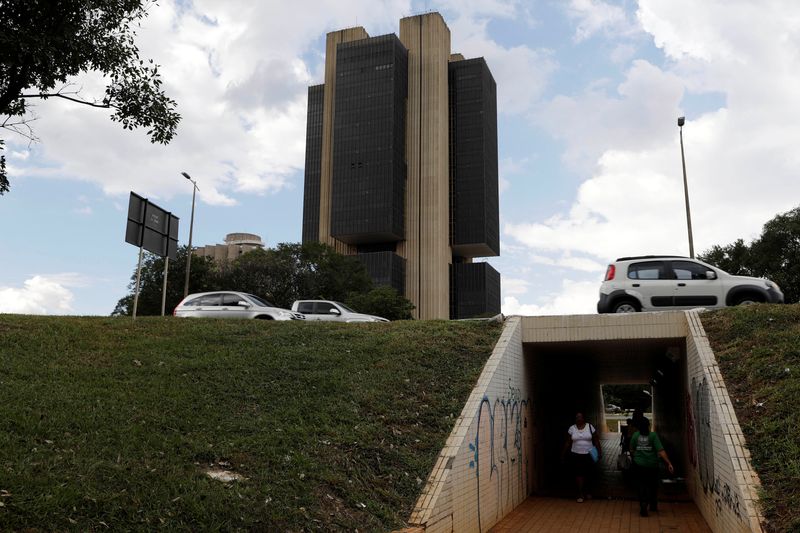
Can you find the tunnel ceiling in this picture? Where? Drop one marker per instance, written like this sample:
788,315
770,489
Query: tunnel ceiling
615,361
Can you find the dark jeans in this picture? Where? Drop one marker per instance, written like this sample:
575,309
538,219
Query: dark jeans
647,484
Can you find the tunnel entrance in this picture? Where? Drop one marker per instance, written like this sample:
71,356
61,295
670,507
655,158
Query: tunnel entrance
567,377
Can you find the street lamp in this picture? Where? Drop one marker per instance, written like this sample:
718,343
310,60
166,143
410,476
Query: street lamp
681,122
191,227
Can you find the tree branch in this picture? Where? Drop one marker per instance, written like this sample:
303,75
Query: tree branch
65,97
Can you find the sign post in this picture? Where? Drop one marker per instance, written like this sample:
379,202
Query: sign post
138,279
153,229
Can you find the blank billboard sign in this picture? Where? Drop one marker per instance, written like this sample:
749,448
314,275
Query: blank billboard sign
151,227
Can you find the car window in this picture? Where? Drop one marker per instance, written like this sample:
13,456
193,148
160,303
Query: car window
305,307
349,310
209,300
231,299
323,308
194,301
689,270
647,270
259,301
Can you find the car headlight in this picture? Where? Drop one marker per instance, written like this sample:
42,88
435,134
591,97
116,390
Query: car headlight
771,285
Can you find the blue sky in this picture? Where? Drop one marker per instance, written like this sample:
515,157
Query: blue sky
589,162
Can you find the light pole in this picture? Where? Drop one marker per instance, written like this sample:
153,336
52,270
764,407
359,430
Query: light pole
681,121
191,227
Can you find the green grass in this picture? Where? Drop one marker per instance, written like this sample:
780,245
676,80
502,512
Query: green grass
110,424
758,348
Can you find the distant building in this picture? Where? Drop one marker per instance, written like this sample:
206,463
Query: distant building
401,165
235,245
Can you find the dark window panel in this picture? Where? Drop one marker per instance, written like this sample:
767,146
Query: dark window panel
474,290
369,171
474,195
313,170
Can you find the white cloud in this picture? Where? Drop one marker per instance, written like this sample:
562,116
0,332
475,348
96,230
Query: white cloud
572,298
521,72
41,295
741,160
595,16
238,72
514,286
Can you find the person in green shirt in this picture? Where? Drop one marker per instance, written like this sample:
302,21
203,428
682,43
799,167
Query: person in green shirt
646,448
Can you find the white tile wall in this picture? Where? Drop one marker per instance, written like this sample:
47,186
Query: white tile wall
485,469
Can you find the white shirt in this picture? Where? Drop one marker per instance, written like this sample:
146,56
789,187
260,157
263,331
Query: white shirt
581,438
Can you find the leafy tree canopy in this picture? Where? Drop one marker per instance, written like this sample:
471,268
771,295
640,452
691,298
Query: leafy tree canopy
775,254
43,43
203,277
288,272
382,301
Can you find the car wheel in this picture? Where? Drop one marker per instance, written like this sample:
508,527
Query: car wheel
625,306
747,300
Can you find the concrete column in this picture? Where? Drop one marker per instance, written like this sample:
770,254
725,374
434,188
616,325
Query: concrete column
427,245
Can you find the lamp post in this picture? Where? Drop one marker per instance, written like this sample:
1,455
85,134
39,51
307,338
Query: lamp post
191,227
681,121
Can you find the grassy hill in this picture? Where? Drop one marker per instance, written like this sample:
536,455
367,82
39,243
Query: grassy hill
758,348
112,424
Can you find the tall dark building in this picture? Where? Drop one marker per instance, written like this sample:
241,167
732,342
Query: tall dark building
401,165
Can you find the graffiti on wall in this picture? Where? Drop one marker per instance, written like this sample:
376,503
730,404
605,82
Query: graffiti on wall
701,449
704,445
499,454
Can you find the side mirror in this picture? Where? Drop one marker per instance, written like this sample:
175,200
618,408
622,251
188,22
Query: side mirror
334,311
242,303
710,274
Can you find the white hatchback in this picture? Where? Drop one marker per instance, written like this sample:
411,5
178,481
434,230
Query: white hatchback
661,283
231,304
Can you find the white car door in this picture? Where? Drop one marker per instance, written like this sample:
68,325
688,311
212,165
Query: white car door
652,280
327,311
693,288
230,306
209,306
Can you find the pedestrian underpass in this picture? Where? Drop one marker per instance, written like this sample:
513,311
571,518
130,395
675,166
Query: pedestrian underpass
501,460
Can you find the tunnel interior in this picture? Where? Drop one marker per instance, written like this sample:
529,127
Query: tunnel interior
566,377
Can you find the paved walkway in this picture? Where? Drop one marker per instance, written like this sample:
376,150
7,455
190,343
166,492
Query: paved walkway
600,516
614,509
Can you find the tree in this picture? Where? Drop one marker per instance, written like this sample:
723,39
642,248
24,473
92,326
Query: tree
204,277
293,271
44,43
382,301
775,254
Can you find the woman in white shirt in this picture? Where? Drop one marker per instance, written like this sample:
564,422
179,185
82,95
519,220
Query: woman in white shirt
581,438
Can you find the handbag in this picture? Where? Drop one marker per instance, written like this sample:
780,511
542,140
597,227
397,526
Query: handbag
594,453
624,461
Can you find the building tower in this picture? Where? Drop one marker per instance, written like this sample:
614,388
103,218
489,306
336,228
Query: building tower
401,165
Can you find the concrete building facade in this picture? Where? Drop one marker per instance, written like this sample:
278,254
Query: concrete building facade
401,165
235,245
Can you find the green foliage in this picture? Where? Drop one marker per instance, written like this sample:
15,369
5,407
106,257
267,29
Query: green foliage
293,271
758,349
203,277
382,301
628,396
774,255
281,275
106,423
44,44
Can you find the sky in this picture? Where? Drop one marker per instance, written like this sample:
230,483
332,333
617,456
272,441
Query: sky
588,96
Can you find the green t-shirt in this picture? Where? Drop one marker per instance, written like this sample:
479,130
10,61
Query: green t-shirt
644,449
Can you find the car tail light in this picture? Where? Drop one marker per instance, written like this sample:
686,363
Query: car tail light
175,312
612,270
